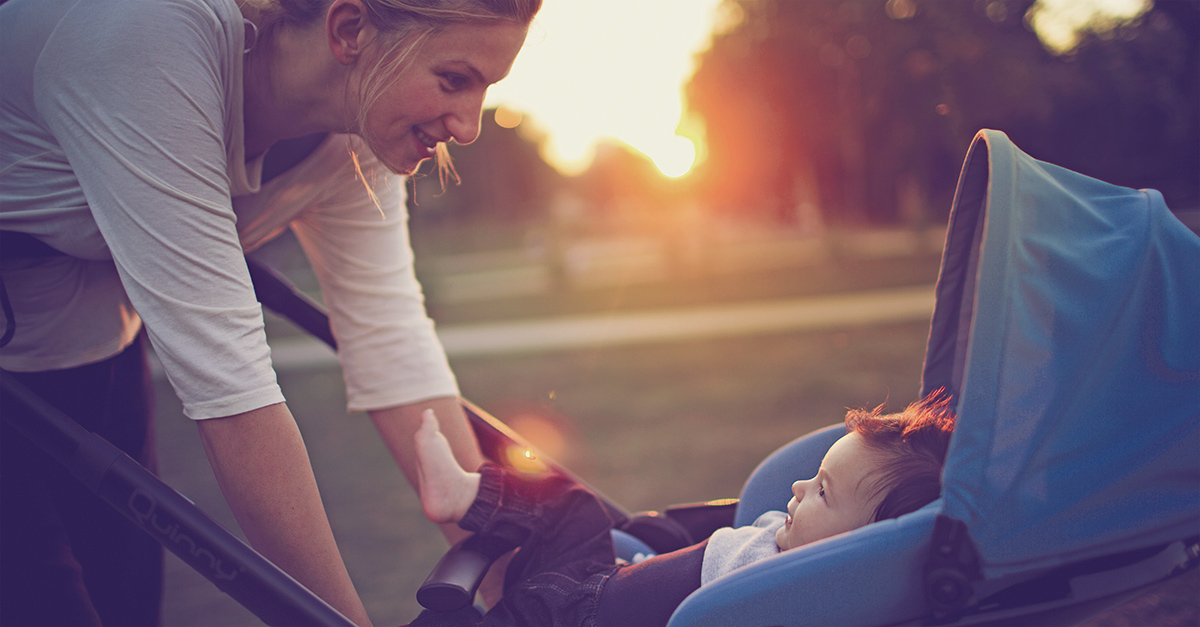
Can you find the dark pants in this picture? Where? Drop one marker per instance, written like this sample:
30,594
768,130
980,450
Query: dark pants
565,572
66,557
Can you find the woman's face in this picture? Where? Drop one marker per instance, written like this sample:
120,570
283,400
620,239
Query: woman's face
438,95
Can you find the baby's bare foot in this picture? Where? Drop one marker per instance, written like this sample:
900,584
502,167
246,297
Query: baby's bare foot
447,490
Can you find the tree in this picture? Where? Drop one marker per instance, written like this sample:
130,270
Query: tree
869,105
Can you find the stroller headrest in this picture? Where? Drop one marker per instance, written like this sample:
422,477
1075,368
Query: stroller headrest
855,578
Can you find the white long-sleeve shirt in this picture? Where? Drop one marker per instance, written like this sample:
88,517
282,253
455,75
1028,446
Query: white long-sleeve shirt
121,144
731,548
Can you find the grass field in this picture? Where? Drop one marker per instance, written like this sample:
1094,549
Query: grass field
649,425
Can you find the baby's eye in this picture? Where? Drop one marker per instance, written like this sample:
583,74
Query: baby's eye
821,492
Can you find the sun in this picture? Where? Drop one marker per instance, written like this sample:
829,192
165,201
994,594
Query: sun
614,69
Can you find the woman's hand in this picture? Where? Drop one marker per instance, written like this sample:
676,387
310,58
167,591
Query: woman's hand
264,472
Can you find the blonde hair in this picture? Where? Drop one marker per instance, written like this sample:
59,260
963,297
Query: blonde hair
406,25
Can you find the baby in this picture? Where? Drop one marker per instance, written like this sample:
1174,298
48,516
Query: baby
565,572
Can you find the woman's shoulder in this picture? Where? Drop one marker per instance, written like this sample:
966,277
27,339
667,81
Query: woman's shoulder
217,21
162,29
224,11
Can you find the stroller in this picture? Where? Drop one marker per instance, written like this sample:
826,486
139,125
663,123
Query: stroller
1066,330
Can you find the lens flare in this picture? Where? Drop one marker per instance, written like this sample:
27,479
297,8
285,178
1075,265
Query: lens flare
522,459
507,117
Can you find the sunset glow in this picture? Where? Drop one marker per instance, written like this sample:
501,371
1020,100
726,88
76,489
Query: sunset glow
597,71
615,70
1057,21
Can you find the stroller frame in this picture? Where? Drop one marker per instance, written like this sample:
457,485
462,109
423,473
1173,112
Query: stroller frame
203,544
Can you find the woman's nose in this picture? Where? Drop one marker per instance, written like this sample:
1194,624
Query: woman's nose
463,123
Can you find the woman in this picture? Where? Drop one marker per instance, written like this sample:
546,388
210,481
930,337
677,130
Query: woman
148,146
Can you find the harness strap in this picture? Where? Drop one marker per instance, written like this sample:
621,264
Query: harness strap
951,567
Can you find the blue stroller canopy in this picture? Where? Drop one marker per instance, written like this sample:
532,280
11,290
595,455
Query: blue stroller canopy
1067,328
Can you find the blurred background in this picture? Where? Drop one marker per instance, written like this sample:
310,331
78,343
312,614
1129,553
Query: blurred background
692,230
681,121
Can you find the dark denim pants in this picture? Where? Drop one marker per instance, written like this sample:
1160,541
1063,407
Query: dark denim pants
565,571
66,557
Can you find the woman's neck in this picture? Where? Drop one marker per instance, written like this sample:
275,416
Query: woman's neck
291,86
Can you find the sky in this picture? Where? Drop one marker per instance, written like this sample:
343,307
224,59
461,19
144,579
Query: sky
597,69
592,69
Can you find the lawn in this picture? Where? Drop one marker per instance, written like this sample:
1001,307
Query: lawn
649,426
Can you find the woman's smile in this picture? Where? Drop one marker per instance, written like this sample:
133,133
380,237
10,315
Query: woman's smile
439,93
425,138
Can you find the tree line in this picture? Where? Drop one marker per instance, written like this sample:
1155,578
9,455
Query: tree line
862,111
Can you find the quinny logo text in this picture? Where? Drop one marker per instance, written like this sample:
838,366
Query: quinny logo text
144,508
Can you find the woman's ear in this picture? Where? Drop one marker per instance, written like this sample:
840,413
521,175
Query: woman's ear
348,29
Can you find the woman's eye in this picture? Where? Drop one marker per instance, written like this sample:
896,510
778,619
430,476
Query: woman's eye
454,82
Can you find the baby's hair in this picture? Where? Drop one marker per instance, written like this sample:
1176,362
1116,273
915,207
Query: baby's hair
912,445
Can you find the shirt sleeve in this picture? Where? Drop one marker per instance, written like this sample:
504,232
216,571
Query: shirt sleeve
359,248
136,95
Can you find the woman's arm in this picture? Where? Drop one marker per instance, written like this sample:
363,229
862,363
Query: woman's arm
264,472
359,249
147,144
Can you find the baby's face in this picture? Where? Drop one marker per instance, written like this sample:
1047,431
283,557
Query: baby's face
838,499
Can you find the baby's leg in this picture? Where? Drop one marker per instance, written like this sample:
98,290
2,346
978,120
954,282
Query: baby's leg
563,530
447,490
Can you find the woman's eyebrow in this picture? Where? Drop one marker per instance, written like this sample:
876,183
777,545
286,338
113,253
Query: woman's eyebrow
471,69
